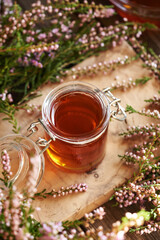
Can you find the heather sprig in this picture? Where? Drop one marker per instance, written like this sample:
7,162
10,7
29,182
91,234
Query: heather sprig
131,220
34,57
29,108
130,83
134,156
144,112
74,230
29,45
5,162
143,189
97,68
75,188
144,186
15,215
144,150
147,130
9,110
42,44
17,221
155,101
150,58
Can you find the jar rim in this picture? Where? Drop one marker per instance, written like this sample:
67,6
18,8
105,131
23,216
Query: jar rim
73,86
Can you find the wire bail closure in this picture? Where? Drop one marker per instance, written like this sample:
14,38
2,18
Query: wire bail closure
119,113
41,142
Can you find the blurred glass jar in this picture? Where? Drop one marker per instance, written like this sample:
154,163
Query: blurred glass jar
139,10
25,160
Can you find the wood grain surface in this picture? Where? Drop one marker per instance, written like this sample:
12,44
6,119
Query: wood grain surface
111,172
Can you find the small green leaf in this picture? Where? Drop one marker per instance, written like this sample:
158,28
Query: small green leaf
142,80
130,109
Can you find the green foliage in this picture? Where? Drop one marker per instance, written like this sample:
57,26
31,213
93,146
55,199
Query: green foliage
9,110
27,64
72,224
130,109
142,80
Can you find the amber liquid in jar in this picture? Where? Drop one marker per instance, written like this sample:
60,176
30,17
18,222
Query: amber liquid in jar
75,116
139,10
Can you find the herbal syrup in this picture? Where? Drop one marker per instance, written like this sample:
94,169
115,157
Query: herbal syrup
134,14
75,119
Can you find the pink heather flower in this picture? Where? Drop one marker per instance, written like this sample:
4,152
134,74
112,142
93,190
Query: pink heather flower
120,235
114,44
45,228
55,30
51,230
12,70
20,234
6,212
56,227
3,95
15,213
29,39
99,213
108,12
6,164
10,99
42,36
32,179
8,3
54,21
40,65
64,28
102,236
20,60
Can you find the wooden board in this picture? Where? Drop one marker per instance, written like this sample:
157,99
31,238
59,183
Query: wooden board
111,172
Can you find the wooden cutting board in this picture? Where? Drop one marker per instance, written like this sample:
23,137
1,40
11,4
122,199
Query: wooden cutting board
111,172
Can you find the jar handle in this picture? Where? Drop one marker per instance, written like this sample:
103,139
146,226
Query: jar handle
119,112
41,142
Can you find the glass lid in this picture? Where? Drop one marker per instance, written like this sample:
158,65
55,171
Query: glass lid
26,162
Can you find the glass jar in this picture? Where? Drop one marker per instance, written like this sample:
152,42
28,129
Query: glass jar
76,116
139,10
23,153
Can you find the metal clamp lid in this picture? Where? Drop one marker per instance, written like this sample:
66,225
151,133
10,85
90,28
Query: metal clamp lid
119,112
41,142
